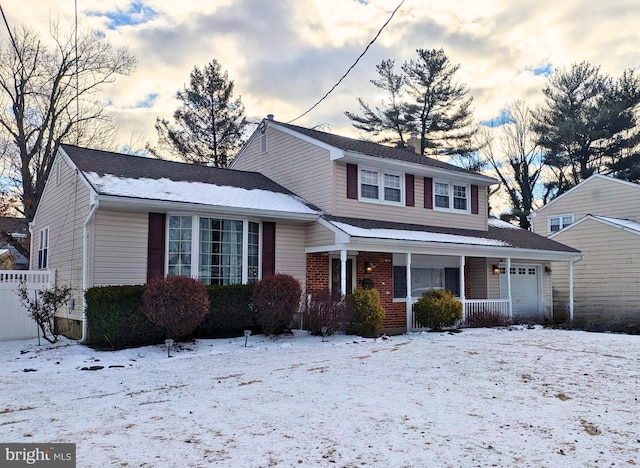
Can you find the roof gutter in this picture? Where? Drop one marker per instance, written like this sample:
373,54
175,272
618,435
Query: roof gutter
85,264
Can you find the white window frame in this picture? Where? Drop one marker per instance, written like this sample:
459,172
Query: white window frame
451,191
43,248
561,223
381,186
195,243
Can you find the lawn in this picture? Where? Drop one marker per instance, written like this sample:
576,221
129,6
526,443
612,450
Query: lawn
486,397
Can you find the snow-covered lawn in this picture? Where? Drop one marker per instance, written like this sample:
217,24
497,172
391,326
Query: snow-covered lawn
520,397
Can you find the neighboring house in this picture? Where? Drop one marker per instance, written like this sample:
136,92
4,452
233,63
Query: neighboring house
600,217
334,212
17,227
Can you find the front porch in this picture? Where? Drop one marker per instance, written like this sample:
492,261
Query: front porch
491,289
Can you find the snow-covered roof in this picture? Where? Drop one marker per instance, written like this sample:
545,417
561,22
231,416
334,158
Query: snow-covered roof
425,236
624,223
140,178
498,234
197,192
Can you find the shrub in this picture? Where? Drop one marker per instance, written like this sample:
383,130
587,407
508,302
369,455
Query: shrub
437,308
43,307
368,314
277,299
230,311
115,319
486,318
177,303
330,310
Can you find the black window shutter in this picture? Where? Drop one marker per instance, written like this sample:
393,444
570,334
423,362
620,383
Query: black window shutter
452,280
268,249
474,200
428,193
352,181
155,249
410,199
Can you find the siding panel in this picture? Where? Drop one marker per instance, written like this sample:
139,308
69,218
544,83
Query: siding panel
121,241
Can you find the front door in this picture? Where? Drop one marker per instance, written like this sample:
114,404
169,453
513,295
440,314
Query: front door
336,277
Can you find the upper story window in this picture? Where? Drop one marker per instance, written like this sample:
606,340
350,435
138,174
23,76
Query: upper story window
43,248
381,186
450,196
556,223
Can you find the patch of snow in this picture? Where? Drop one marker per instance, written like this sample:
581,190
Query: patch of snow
498,223
632,225
482,397
400,234
196,192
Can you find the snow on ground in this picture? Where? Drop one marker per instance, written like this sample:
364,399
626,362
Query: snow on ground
484,397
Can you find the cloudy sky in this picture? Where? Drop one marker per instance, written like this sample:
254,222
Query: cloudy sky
285,54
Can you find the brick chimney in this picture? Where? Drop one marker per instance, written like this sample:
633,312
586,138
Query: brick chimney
413,143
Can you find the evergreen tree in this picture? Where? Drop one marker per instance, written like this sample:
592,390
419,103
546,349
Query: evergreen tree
588,124
423,100
208,124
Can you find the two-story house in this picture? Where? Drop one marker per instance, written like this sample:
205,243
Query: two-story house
335,212
600,217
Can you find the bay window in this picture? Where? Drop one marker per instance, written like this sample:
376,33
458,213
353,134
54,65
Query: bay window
214,250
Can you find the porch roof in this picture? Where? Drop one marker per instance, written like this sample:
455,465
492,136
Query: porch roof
501,238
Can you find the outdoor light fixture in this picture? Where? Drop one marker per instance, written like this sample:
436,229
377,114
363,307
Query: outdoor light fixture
496,269
368,267
169,343
324,329
247,333
547,269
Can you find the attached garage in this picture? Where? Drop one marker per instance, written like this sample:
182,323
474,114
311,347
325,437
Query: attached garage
526,290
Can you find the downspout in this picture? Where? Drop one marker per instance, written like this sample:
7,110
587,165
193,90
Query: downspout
571,263
85,265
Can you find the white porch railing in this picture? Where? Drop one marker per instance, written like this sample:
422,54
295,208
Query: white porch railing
476,309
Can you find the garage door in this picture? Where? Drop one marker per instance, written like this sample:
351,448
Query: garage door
525,290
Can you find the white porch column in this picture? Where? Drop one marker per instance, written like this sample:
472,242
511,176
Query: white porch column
508,272
462,296
409,299
343,272
570,291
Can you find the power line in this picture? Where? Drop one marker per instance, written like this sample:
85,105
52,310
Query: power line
13,42
352,66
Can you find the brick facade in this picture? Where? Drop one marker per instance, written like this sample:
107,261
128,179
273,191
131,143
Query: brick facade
395,321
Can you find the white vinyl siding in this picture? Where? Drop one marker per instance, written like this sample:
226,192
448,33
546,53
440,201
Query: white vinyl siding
120,252
600,195
301,167
290,254
607,280
63,210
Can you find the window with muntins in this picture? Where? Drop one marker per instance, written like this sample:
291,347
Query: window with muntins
43,248
380,186
221,251
556,223
450,196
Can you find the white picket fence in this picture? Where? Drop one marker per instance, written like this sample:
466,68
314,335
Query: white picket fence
15,324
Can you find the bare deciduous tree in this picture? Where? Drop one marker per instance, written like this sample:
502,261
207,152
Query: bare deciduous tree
49,94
